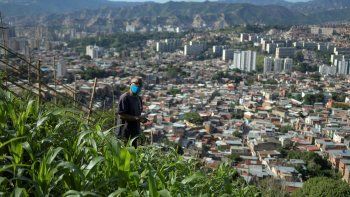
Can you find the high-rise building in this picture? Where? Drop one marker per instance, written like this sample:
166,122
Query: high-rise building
270,48
278,65
283,52
244,37
168,45
288,64
327,70
194,48
343,67
61,69
217,50
227,54
245,60
268,63
237,60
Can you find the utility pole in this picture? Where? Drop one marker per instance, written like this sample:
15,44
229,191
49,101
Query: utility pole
39,81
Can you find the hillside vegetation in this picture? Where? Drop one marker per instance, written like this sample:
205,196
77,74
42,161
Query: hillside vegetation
53,151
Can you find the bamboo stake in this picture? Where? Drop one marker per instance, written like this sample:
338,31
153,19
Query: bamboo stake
92,98
39,81
54,78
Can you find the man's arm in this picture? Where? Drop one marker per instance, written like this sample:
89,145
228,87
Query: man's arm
128,117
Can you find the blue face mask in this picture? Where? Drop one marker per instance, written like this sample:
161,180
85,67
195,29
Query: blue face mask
135,89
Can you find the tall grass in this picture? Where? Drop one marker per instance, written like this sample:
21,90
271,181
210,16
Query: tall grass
53,151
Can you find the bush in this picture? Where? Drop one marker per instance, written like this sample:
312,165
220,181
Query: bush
323,186
193,117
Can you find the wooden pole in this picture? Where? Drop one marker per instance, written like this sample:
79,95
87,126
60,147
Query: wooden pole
54,78
39,81
75,90
5,51
92,98
28,68
113,104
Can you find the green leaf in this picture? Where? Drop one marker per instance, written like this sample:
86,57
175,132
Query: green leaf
19,192
152,185
164,193
11,140
92,164
29,150
119,192
52,154
192,178
73,193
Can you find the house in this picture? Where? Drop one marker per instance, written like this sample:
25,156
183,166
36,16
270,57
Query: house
334,157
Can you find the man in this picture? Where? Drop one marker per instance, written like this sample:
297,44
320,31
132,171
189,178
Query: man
129,110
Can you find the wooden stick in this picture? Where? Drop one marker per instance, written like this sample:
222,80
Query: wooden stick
92,98
54,78
39,81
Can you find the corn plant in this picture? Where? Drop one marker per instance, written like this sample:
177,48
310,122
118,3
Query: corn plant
53,151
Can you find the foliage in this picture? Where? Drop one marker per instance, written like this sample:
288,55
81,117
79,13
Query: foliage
260,63
344,106
285,129
339,97
310,99
50,151
193,117
92,72
120,41
270,82
304,67
315,164
220,75
323,186
235,157
237,134
272,187
174,91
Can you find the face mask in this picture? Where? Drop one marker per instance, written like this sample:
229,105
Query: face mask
135,89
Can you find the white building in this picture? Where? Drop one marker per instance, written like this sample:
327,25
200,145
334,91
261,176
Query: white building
245,60
92,51
327,70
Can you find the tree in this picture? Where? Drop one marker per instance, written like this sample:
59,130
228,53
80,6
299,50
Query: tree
193,117
323,186
271,187
299,56
315,164
286,128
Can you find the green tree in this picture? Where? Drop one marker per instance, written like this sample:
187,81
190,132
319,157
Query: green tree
285,129
193,117
323,186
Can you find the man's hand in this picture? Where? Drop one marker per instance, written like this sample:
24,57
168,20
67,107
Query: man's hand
143,119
